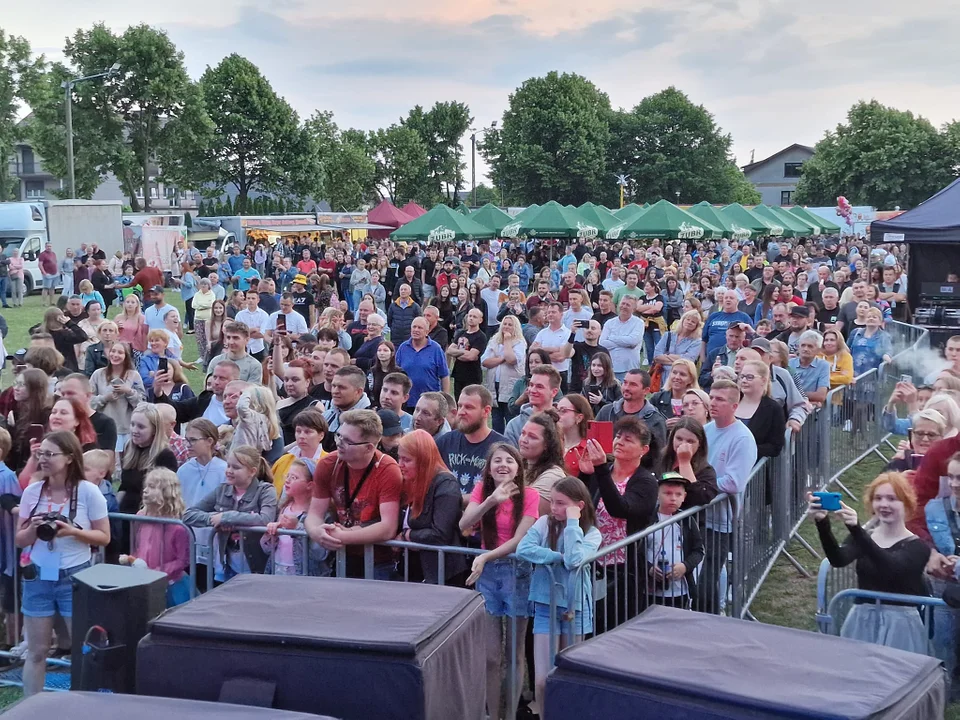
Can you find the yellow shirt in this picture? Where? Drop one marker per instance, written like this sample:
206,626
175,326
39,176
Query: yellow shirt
841,369
281,466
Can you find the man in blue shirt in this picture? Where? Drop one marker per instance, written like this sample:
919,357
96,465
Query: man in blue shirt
567,260
811,373
235,260
715,327
423,361
242,277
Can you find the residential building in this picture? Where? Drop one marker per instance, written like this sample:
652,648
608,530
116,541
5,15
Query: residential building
775,177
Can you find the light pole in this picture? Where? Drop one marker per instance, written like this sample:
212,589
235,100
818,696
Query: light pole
622,180
473,158
67,86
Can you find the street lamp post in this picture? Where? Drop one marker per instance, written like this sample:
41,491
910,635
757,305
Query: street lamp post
622,180
67,86
473,159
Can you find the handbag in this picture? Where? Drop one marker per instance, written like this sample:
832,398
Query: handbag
656,369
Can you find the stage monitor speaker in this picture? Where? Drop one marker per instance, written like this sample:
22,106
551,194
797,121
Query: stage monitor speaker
121,600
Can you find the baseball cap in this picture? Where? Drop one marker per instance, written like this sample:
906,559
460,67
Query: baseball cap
300,279
391,423
674,478
157,289
761,344
799,311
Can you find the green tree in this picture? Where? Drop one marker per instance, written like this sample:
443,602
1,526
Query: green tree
400,160
882,157
120,121
485,194
552,144
228,208
441,129
348,168
18,71
741,190
253,140
667,144
188,219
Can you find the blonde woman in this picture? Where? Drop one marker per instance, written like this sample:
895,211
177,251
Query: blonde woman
836,353
669,401
760,412
202,312
132,324
91,326
333,319
504,363
684,343
256,424
117,389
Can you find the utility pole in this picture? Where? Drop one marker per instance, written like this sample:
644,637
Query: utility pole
473,166
67,86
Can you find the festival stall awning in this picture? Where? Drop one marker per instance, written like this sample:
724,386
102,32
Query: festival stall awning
826,227
712,214
599,216
413,210
463,209
666,221
629,213
491,217
764,212
551,220
441,224
935,220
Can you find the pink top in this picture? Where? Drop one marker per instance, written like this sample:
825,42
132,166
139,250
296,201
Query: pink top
134,333
612,529
165,548
16,267
531,505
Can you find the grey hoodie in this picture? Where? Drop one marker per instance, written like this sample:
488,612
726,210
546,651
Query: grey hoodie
648,413
332,416
512,431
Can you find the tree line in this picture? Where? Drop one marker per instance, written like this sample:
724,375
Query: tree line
559,139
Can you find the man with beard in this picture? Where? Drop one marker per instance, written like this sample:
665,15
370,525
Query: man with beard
465,449
333,361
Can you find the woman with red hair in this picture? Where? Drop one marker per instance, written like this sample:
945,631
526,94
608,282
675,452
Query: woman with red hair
70,416
432,508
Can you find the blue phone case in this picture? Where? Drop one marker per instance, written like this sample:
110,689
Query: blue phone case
829,501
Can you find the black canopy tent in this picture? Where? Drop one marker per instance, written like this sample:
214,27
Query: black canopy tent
932,230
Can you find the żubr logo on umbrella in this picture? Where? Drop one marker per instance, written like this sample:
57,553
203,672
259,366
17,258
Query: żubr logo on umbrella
614,232
441,234
690,232
740,233
511,230
776,231
587,232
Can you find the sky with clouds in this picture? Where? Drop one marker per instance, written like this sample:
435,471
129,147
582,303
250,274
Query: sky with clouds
773,72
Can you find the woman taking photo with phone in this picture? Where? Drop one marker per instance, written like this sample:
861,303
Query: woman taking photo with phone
117,390
601,386
28,419
889,558
627,489
55,550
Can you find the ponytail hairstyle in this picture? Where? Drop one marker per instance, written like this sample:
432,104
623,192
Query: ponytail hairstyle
574,489
209,432
488,523
252,459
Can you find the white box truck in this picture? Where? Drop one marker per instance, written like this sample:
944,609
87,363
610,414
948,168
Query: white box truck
28,226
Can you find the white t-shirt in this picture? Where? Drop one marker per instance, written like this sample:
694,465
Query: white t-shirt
255,321
91,506
550,339
295,322
215,414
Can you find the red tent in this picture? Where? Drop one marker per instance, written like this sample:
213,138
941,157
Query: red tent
386,213
413,210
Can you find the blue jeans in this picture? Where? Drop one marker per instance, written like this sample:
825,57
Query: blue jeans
499,417
3,290
651,336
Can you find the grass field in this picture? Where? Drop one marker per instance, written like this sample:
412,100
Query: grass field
20,320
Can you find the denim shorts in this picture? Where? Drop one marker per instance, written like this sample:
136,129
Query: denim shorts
582,622
45,598
50,281
505,586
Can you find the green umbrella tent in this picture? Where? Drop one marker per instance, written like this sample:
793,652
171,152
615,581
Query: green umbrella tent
766,213
826,227
551,220
492,217
735,212
599,216
441,224
711,214
801,228
666,221
463,209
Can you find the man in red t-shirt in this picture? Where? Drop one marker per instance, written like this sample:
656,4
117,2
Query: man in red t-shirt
306,266
50,271
146,277
568,283
361,487
328,266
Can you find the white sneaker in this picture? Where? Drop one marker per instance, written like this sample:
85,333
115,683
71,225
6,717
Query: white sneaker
848,426
19,650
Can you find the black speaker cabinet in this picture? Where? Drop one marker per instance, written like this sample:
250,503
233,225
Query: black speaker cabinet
121,600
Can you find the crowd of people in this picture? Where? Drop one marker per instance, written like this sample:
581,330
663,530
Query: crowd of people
533,402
